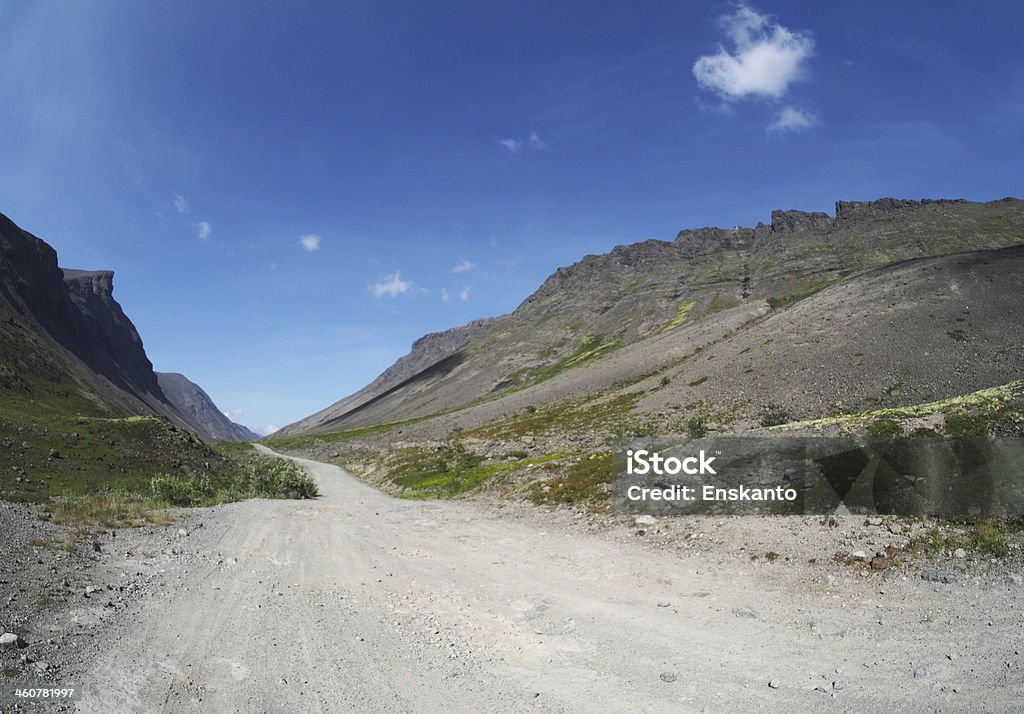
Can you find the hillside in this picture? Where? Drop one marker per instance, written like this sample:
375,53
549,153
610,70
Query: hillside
199,410
80,405
586,313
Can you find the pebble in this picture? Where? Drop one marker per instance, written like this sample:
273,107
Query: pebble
859,555
9,639
960,553
773,684
839,685
896,528
668,677
746,611
938,576
645,520
928,669
1015,579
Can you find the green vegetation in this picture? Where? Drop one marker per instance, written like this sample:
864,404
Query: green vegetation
260,478
697,382
986,536
957,335
682,315
253,477
773,415
591,347
584,483
884,428
56,455
696,427
448,471
563,416
986,412
781,301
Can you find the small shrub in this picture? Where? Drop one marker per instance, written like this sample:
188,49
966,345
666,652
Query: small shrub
884,429
773,415
696,427
665,381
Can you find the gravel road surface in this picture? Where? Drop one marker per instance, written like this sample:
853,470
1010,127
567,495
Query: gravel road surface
361,602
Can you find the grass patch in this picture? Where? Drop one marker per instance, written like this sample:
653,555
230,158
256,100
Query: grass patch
697,382
252,477
986,536
957,335
780,301
584,483
564,416
449,471
986,412
773,415
683,311
883,429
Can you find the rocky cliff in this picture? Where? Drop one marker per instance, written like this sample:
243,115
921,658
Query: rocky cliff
65,327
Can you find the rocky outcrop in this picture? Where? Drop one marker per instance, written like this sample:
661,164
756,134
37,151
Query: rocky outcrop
103,337
196,406
847,211
87,333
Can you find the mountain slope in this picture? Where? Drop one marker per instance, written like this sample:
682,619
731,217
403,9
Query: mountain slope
75,313
199,410
582,315
81,409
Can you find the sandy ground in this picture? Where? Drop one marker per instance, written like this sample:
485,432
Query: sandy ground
361,602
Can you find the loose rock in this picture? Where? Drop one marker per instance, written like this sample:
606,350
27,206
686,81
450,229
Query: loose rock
928,669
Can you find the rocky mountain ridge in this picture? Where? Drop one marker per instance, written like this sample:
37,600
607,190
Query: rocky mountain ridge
634,292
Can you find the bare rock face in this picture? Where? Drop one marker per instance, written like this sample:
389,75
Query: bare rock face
198,409
103,336
87,332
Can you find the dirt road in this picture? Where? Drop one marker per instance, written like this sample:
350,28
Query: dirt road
361,602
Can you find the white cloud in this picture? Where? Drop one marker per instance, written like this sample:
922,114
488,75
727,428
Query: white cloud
464,294
268,430
512,145
235,413
793,119
445,297
765,58
463,265
204,230
535,141
310,242
180,204
391,286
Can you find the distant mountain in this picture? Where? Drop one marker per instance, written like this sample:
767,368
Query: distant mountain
592,312
202,414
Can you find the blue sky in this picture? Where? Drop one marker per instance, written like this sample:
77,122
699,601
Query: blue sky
290,195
